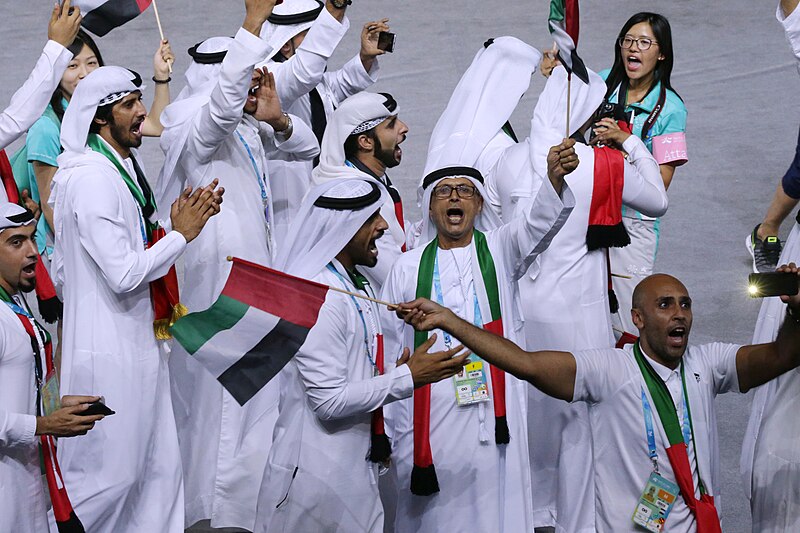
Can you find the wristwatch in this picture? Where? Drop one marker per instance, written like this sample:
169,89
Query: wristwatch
340,4
286,132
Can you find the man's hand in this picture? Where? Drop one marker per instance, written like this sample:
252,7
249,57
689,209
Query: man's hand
256,13
424,315
191,211
337,12
369,42
608,132
549,61
65,22
68,421
561,160
30,204
163,61
432,367
791,301
269,105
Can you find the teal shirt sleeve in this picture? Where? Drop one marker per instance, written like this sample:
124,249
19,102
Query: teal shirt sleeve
44,142
673,118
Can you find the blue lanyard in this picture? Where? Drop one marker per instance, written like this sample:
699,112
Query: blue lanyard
259,176
360,315
648,425
477,320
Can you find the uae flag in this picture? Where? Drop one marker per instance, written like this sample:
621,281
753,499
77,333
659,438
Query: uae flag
102,16
254,328
564,27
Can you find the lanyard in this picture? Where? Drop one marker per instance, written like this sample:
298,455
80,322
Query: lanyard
260,178
41,340
648,425
360,315
477,319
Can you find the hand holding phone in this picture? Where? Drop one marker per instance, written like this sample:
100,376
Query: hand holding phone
386,40
97,408
768,284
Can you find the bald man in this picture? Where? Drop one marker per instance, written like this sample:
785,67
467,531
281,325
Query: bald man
651,404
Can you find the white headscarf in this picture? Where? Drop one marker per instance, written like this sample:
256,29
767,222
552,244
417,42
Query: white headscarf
14,216
201,78
104,84
482,102
361,109
485,220
318,233
277,31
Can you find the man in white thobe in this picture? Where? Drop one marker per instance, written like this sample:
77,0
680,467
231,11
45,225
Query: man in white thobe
304,34
125,476
227,124
362,140
619,385
474,263
23,507
322,473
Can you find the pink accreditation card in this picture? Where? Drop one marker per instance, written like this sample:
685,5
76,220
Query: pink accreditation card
670,148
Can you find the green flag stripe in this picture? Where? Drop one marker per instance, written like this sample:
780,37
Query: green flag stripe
424,282
661,398
557,11
489,274
195,329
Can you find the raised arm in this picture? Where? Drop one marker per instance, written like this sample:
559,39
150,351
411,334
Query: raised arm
551,372
162,60
758,363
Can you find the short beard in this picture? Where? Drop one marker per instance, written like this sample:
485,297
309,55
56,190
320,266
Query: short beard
27,286
384,156
118,134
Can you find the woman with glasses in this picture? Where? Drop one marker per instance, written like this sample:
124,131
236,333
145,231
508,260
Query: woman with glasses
640,80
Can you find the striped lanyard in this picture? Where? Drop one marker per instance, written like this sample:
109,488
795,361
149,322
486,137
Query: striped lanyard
477,319
41,338
648,425
367,348
261,179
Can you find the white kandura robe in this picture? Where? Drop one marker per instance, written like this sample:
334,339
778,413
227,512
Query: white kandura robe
224,446
30,100
565,306
484,487
23,506
319,478
125,474
294,79
770,462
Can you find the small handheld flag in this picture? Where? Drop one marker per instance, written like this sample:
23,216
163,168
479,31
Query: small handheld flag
564,24
102,16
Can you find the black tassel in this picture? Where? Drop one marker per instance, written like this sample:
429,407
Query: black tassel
615,236
72,525
380,449
501,434
51,309
424,481
613,303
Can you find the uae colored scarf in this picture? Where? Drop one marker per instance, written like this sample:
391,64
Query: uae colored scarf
50,307
163,291
605,213
423,475
703,509
66,520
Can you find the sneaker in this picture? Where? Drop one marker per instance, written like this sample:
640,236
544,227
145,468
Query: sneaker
765,253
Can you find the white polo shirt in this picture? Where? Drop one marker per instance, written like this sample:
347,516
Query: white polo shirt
610,381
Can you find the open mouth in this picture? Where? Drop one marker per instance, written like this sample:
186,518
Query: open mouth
29,271
677,335
251,95
136,129
633,62
455,215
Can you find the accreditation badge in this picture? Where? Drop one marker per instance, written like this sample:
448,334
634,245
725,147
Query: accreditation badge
51,399
655,503
470,384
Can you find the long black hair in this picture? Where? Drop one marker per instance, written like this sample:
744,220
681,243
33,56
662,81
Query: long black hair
663,34
81,39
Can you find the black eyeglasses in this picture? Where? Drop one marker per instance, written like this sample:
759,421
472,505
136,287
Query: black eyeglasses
642,43
463,191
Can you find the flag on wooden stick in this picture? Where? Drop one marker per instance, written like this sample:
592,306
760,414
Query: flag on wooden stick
102,16
255,327
564,24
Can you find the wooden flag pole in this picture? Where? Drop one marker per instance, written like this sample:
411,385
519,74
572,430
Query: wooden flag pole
160,30
569,99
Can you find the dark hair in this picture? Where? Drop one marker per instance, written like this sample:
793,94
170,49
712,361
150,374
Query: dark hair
81,39
103,113
351,143
663,34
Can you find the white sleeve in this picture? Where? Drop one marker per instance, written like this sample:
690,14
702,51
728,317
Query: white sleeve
15,429
643,189
30,101
791,27
125,265
720,359
597,374
219,117
304,70
322,362
301,146
352,78
528,235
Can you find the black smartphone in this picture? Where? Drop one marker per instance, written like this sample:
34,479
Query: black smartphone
772,284
386,41
97,408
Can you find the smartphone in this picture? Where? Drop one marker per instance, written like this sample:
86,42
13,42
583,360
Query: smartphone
386,41
97,408
772,284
